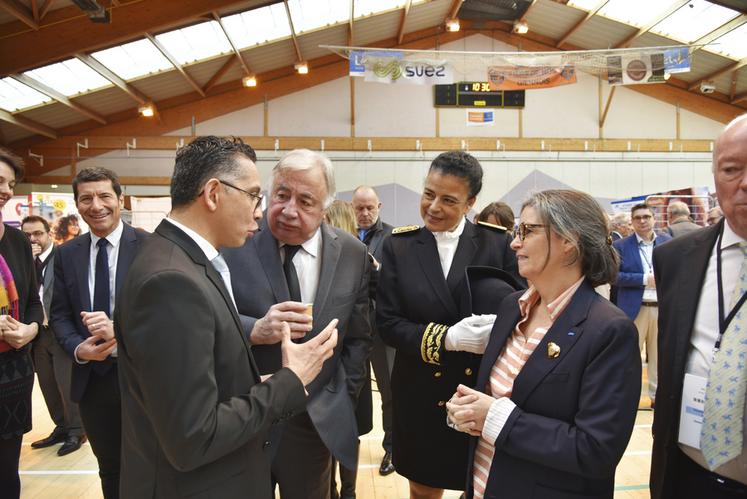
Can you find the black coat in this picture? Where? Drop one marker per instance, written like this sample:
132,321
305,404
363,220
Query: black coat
680,267
413,293
574,413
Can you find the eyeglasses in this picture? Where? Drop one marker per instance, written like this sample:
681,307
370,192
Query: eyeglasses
642,218
523,229
256,198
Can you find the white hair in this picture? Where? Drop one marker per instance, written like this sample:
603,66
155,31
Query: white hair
305,159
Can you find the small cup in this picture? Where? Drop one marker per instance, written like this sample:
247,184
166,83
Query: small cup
309,310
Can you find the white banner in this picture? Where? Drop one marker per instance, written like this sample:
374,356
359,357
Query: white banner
394,70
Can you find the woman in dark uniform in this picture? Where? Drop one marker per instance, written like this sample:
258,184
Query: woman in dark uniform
20,316
420,295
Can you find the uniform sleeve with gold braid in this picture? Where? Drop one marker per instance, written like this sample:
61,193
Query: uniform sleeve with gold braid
432,343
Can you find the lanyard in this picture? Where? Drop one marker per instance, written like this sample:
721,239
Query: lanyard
723,322
645,257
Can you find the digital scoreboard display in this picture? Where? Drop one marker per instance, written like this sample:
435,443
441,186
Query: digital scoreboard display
476,94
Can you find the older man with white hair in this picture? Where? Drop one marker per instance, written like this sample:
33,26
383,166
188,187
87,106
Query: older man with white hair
294,265
700,429
680,222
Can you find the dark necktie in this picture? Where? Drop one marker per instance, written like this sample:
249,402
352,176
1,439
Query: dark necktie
101,291
39,271
291,277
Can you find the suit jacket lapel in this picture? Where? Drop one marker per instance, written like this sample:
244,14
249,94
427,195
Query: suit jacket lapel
178,237
464,253
81,262
431,265
565,332
269,256
331,249
502,330
127,250
48,282
698,253
634,250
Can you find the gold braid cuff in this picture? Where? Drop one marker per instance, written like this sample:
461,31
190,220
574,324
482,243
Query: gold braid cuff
430,345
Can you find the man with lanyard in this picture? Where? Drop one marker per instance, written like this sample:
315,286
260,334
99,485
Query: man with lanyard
699,424
636,288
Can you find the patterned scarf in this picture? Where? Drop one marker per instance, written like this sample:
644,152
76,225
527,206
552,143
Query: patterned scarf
8,297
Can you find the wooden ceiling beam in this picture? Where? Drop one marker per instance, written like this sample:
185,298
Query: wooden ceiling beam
726,69
44,9
236,52
351,21
178,112
59,97
131,91
27,124
719,32
583,21
35,11
20,12
715,106
739,97
218,74
453,10
296,46
68,36
177,65
403,21
646,28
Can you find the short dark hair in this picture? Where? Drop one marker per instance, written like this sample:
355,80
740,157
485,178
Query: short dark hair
641,206
96,174
460,164
202,159
501,211
14,162
35,218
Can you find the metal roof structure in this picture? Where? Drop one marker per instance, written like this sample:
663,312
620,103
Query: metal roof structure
174,53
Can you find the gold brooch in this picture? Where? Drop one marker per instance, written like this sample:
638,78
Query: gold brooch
553,350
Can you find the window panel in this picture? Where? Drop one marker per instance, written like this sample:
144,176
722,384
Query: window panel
635,12
308,16
258,26
15,96
69,77
695,20
732,44
134,59
195,43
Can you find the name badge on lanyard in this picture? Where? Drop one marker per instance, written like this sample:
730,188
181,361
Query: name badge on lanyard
691,412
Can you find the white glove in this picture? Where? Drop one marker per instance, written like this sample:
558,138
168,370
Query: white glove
471,334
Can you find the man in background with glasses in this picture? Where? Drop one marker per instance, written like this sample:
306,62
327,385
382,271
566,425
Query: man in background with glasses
636,288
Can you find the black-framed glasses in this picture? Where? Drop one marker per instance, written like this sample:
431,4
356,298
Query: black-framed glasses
257,198
523,229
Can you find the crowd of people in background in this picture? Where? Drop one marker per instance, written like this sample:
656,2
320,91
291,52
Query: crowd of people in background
231,352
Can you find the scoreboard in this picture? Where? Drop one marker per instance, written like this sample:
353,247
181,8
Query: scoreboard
476,94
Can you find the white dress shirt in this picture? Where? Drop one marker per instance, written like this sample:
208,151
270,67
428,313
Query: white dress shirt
112,250
705,333
447,243
646,253
211,253
43,256
308,263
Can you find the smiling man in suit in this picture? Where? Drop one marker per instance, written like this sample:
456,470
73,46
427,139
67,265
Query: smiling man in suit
52,365
196,415
88,275
296,260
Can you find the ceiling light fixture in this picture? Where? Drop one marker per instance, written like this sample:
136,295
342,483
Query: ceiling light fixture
452,25
302,67
147,110
520,27
249,81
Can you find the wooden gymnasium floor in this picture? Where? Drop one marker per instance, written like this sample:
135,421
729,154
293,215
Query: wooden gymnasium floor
44,475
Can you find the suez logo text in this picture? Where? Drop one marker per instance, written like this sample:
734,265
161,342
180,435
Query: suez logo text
425,70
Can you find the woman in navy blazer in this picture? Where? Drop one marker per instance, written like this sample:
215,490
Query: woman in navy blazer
559,382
